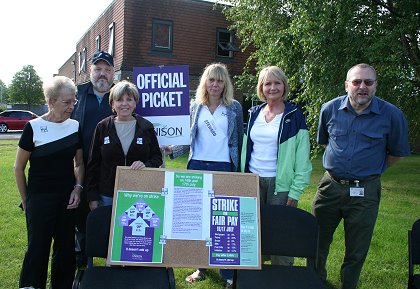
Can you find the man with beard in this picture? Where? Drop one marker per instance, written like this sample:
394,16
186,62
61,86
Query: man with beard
362,135
92,107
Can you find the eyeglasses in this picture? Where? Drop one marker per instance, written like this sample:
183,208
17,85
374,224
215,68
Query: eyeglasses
358,82
69,102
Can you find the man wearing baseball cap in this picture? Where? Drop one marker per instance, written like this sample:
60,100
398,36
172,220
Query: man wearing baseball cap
92,107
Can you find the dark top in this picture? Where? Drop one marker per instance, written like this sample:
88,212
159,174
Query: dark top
107,153
88,112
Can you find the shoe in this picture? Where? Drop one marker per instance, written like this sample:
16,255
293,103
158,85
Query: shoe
229,284
195,277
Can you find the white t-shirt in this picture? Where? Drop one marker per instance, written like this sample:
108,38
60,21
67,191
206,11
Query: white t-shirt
264,153
211,141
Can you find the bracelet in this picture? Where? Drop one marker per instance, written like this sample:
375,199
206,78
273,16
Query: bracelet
78,185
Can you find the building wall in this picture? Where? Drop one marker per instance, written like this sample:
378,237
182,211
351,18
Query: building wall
114,13
195,25
69,68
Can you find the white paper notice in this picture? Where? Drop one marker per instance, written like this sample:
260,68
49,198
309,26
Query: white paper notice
187,212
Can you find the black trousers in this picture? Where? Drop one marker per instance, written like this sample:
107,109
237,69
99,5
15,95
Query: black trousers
47,219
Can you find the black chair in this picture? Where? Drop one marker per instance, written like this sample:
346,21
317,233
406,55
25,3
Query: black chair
285,231
115,277
414,255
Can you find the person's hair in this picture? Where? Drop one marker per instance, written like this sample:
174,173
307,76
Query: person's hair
362,65
217,71
277,73
57,85
121,88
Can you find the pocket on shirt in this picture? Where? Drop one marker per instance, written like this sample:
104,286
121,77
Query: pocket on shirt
340,137
372,138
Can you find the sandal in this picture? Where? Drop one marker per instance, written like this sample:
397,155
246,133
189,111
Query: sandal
195,277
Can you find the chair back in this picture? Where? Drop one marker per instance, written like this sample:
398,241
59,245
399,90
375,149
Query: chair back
415,243
288,231
97,232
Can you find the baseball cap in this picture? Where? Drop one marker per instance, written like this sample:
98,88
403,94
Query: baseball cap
102,55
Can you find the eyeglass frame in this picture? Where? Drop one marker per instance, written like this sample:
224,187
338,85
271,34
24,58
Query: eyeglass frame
358,82
68,102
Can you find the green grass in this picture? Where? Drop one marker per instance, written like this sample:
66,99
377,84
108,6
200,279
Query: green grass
385,267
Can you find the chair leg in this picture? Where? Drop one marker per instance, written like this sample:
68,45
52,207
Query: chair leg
171,277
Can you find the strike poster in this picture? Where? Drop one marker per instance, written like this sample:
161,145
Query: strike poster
187,195
137,227
164,101
233,231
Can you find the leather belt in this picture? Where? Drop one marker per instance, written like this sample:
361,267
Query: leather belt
352,181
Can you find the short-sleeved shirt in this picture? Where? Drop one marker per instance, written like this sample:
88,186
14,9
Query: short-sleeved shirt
53,147
264,136
212,136
358,144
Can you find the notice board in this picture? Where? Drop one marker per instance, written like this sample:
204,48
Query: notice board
234,196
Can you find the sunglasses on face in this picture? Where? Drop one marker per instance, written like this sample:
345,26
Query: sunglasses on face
358,82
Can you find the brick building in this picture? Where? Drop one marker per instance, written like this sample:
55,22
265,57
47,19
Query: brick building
142,33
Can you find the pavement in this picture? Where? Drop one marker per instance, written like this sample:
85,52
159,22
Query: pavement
11,134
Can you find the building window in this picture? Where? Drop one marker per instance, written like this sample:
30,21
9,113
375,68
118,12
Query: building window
226,43
111,39
80,62
84,59
162,35
98,43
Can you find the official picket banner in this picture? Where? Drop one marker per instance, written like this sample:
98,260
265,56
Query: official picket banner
164,101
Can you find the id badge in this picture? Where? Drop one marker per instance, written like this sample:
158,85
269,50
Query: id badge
357,192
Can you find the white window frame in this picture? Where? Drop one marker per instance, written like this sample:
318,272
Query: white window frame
98,42
227,47
111,38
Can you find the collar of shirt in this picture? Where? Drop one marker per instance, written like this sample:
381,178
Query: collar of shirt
373,106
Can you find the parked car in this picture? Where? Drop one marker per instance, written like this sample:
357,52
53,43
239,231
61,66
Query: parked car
15,119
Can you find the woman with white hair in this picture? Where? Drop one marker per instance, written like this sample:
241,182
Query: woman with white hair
52,145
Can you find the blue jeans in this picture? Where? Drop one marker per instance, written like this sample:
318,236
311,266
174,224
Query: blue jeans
209,166
213,166
105,201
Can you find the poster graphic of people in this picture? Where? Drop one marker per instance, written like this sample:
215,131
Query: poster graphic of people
138,227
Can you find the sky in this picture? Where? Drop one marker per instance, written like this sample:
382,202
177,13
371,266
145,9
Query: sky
43,33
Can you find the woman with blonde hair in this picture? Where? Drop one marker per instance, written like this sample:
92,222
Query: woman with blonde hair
276,145
216,133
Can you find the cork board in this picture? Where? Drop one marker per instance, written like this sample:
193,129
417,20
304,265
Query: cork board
188,253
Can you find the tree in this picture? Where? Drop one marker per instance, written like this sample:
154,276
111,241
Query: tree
3,92
26,87
315,42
